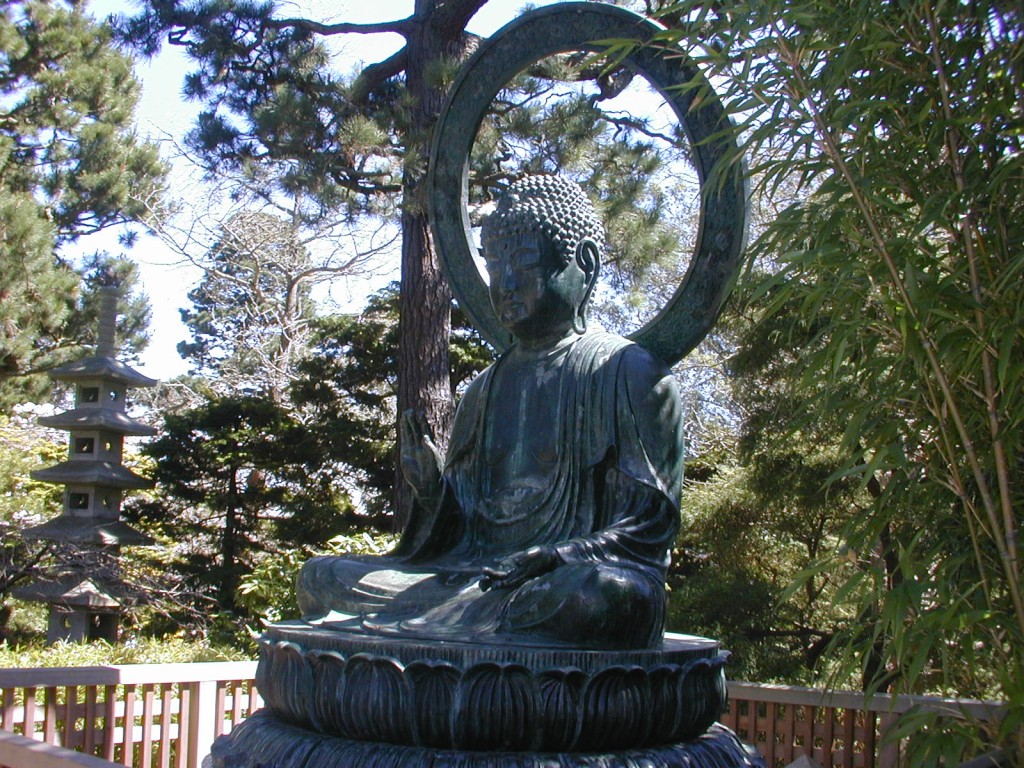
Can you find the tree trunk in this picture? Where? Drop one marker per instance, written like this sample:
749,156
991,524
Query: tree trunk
425,300
423,333
229,544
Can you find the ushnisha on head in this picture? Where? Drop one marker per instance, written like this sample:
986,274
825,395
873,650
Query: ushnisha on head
542,245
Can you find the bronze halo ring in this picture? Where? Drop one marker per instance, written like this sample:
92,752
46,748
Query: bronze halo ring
573,26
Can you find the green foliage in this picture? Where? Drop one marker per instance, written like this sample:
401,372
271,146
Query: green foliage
347,386
897,276
273,95
25,447
141,650
234,481
70,333
69,165
747,529
23,502
68,151
250,311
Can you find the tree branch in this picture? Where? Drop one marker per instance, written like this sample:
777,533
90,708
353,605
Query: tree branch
374,75
401,27
629,123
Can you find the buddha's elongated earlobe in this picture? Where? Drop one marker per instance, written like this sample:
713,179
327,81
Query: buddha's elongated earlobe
579,320
588,259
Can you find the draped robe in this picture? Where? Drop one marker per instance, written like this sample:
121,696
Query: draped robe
603,438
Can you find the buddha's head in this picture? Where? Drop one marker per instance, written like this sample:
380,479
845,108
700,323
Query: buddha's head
542,246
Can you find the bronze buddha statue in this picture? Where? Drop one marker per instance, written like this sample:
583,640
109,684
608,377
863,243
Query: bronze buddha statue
551,519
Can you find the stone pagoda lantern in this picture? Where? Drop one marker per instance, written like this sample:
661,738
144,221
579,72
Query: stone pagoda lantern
84,591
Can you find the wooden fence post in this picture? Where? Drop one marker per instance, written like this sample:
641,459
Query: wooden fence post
888,748
202,720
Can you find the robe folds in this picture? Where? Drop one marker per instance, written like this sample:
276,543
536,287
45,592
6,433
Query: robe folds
603,492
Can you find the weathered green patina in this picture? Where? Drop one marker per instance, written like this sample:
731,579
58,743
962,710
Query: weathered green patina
552,517
520,620
588,26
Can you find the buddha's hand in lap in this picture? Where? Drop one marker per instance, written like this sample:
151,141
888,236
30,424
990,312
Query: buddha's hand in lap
518,569
421,460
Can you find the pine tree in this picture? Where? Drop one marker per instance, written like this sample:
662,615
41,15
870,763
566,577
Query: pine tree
272,92
232,483
70,165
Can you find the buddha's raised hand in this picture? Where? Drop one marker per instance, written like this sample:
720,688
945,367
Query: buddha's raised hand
421,460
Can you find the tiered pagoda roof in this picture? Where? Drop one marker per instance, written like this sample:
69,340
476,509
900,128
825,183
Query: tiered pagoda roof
71,589
83,602
98,418
67,529
101,367
106,474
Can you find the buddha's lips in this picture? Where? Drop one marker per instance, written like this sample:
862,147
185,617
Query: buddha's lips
510,309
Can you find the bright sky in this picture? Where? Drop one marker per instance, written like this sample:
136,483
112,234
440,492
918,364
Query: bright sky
163,114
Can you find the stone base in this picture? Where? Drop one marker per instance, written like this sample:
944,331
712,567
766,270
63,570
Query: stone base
477,697
263,741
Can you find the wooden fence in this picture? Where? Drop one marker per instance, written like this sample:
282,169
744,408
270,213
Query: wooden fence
837,729
19,752
167,716
146,715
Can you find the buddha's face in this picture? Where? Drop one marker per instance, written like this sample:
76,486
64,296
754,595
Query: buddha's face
534,291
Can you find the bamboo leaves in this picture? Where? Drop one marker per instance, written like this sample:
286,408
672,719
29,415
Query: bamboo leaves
898,271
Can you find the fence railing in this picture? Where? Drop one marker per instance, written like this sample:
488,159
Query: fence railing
145,715
837,729
168,715
19,752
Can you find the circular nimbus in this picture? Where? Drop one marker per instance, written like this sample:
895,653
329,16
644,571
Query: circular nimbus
587,26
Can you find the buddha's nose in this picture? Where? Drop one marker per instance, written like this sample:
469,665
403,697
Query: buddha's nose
507,280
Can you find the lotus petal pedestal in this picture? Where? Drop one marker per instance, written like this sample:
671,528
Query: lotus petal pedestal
349,699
